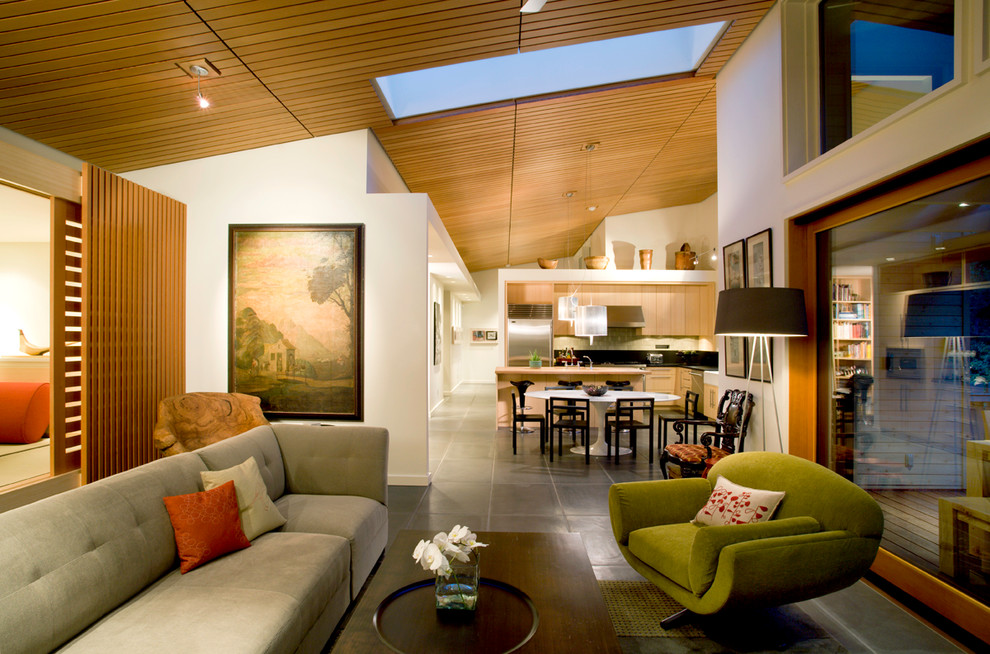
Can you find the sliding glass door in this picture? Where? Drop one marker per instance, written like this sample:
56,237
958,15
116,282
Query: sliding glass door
904,312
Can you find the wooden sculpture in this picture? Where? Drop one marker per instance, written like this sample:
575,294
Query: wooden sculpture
193,420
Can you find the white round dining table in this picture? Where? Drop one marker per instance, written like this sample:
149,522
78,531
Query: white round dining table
599,405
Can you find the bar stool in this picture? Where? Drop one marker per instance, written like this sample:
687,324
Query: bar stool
520,418
521,386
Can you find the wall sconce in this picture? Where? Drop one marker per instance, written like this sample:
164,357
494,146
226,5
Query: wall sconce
698,257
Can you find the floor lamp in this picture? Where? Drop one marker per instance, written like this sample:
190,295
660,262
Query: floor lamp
760,314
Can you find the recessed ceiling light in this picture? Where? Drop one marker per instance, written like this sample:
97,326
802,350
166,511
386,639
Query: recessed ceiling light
964,204
939,247
891,259
568,194
593,207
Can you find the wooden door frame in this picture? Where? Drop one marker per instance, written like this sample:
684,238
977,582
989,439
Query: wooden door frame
807,365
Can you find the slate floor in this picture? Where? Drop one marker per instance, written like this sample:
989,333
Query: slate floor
477,481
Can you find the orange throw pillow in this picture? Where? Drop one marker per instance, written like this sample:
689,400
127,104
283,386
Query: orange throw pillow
207,525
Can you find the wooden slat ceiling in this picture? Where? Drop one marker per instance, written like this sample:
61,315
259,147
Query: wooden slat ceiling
98,79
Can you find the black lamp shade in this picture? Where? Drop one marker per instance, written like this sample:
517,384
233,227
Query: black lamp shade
761,312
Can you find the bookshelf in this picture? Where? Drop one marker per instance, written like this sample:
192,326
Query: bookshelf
852,325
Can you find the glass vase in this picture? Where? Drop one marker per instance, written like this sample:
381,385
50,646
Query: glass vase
459,589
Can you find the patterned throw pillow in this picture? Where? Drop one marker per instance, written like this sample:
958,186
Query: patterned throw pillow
206,525
258,512
732,504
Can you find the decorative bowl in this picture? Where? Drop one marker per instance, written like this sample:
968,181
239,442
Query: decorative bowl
547,264
596,263
596,391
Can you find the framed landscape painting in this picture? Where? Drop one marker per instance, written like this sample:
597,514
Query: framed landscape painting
296,318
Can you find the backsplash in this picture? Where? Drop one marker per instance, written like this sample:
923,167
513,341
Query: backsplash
622,338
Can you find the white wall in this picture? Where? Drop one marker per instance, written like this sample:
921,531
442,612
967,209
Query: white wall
753,193
478,361
322,180
25,299
660,230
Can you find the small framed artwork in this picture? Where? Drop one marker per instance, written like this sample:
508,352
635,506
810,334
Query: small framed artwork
759,260
734,264
437,339
456,335
491,335
735,356
477,335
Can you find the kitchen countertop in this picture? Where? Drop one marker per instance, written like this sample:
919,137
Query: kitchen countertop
569,370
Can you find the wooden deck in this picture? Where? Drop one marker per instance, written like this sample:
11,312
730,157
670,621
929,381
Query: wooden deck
911,524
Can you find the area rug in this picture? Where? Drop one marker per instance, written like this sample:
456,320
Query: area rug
637,607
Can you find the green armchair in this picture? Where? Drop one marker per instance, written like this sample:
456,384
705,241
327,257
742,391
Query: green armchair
823,537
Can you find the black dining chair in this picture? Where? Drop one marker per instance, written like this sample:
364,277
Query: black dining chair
520,417
565,385
574,415
632,415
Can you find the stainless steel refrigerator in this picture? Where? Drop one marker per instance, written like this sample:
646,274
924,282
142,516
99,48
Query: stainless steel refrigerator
530,328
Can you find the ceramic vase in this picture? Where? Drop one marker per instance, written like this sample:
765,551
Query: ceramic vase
645,259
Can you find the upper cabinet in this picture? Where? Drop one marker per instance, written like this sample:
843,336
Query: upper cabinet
669,309
529,293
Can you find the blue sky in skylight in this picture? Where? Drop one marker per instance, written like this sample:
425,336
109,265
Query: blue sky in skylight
547,71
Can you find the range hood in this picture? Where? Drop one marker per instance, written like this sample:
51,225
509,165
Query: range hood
625,316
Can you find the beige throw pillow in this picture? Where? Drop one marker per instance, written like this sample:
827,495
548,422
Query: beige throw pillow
258,512
732,504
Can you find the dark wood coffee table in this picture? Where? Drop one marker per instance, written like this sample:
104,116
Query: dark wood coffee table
552,570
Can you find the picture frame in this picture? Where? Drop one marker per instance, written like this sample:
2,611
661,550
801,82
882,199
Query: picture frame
759,260
296,318
437,336
759,274
736,356
734,264
477,335
491,335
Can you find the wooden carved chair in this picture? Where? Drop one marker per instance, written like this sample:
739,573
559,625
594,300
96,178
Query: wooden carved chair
730,424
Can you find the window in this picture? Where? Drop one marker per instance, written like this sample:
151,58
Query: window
878,57
551,70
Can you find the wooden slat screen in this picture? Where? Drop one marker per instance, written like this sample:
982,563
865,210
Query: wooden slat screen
66,354
134,327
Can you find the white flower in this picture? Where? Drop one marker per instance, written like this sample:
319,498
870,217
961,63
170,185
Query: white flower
435,555
458,533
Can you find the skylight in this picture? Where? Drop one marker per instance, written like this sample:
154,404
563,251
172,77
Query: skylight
552,70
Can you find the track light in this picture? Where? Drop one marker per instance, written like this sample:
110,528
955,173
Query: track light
200,72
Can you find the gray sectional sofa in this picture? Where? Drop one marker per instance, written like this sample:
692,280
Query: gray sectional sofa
95,569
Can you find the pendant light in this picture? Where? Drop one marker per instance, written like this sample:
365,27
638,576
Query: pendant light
592,319
567,304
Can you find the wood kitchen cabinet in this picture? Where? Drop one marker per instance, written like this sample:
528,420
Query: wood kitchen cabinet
529,293
668,309
685,309
663,380
711,401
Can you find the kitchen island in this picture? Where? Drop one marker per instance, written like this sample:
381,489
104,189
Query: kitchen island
549,376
